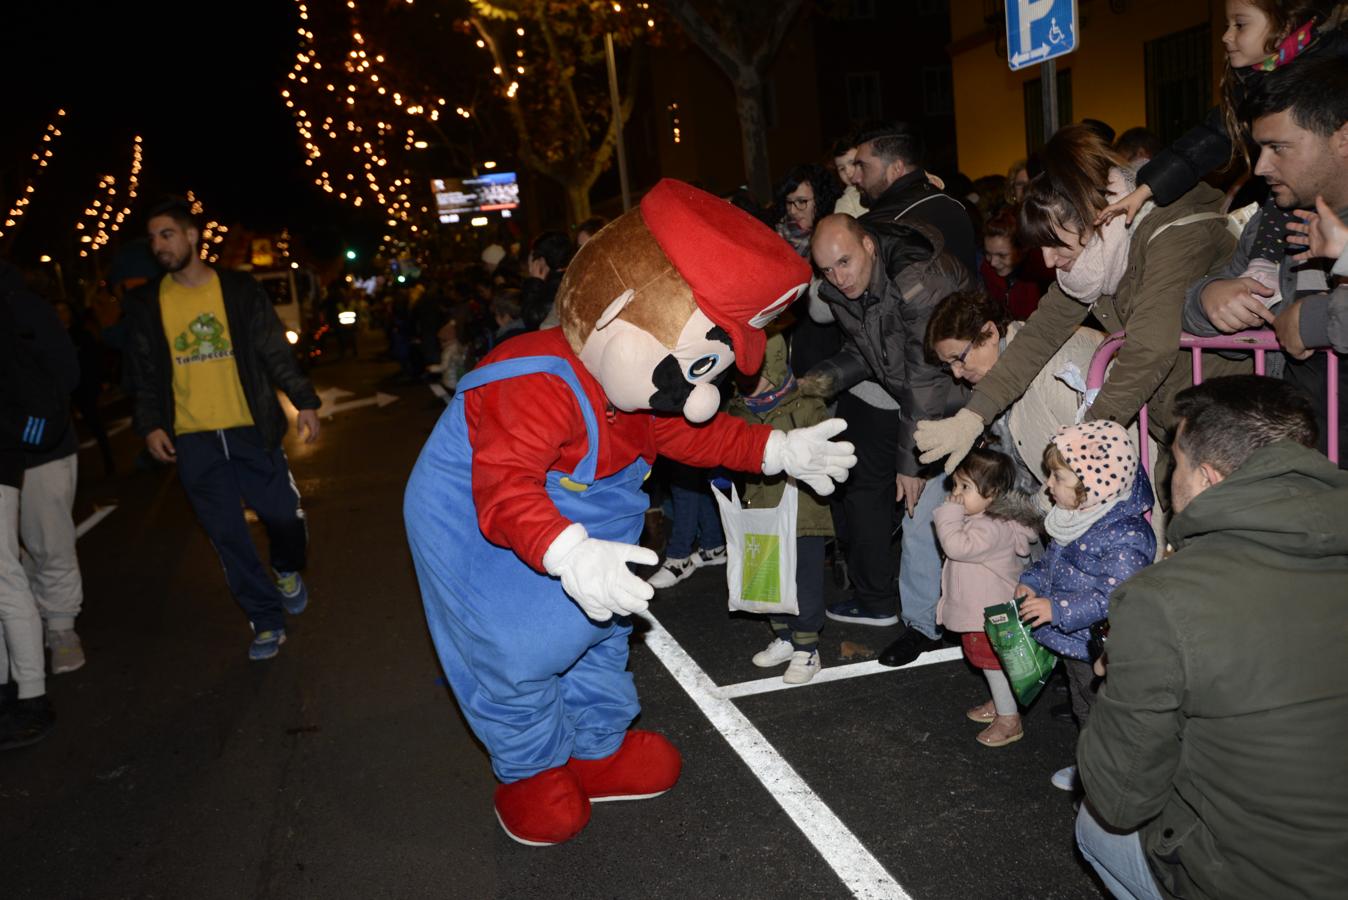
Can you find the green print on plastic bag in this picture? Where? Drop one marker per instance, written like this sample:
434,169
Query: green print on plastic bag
760,580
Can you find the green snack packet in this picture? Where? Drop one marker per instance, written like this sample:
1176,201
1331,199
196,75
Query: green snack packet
761,581
1026,662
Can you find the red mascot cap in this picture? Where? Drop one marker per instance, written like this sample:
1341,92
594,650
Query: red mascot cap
741,272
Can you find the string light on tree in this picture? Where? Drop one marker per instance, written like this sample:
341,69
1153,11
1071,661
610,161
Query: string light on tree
43,158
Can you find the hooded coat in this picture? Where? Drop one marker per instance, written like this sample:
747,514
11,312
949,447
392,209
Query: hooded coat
1079,577
1219,733
984,556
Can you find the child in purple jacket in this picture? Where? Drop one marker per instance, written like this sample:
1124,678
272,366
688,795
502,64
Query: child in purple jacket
1100,539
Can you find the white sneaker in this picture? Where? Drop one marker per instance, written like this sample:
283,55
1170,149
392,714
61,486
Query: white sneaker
778,652
709,557
672,572
804,666
67,654
1065,779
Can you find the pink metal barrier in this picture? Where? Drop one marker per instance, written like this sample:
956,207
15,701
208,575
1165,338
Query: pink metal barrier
1260,341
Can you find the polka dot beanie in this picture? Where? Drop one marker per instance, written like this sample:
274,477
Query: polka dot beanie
1102,455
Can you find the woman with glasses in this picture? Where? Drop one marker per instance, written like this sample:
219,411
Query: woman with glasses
1129,277
968,332
803,197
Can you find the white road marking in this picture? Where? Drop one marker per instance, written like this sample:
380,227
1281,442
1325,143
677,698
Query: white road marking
836,673
439,391
863,874
380,399
99,515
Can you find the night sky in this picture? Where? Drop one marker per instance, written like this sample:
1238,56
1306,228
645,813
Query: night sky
199,81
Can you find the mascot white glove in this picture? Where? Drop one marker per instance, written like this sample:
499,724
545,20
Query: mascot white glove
952,437
594,573
808,455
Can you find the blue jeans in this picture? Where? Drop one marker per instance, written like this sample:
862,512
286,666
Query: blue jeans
695,518
920,562
1117,858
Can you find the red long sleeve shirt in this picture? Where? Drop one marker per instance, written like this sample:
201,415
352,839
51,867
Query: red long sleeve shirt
522,428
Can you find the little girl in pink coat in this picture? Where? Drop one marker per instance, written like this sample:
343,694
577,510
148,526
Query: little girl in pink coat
985,528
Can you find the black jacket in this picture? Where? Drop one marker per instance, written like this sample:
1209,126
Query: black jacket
913,197
36,321
261,354
885,330
1207,147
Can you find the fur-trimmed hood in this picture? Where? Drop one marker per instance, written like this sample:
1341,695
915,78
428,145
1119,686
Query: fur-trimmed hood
1019,507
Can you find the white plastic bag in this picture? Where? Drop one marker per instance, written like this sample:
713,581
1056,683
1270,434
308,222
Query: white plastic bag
761,553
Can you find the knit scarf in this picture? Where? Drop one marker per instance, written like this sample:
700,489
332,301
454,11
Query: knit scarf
1288,50
1100,266
1066,525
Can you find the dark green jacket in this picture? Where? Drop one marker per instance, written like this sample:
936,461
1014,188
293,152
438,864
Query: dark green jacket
1221,732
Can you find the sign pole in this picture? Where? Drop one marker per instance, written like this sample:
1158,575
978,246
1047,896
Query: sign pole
617,117
1048,82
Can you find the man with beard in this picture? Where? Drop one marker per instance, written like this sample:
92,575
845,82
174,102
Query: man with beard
887,171
1299,117
207,354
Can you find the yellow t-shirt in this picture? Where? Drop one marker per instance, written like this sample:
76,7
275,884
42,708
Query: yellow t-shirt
207,393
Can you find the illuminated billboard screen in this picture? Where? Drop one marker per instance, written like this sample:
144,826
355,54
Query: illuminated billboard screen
455,197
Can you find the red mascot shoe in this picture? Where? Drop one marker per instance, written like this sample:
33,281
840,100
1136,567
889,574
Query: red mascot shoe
544,809
646,765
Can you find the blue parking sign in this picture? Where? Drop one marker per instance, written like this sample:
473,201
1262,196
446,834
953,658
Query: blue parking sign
1039,30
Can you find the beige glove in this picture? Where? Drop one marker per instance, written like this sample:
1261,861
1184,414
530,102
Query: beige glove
952,438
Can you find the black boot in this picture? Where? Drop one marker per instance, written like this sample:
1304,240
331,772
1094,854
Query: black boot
908,647
25,722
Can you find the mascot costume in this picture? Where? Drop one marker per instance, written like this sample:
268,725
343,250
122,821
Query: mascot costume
525,505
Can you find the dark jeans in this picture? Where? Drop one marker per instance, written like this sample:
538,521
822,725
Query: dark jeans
695,516
809,588
868,503
1081,687
218,470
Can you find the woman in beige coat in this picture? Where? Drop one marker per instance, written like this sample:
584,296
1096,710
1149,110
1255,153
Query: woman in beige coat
1130,277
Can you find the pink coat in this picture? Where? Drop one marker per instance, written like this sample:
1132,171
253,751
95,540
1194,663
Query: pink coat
984,559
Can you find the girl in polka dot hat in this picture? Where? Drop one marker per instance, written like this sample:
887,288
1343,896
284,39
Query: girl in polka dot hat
1099,539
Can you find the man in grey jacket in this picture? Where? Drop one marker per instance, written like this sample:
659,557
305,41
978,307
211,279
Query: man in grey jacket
881,282
1300,121
1213,760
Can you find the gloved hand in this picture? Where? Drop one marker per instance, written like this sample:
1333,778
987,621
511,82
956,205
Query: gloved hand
808,455
594,573
952,437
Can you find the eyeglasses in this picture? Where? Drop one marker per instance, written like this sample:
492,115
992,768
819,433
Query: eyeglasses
801,203
959,360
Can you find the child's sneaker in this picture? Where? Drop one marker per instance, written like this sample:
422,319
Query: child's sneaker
267,644
804,666
1065,779
1003,730
778,652
709,557
67,654
672,572
294,593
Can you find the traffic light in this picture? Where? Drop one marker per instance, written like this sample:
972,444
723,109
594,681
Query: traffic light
351,255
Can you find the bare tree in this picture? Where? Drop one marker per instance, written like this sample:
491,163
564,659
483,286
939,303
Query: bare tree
742,37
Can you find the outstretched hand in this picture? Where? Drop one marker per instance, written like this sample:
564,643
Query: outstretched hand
1128,207
1321,232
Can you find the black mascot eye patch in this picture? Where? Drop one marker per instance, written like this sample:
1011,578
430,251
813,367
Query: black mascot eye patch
672,389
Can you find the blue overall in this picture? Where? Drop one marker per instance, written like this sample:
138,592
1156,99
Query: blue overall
537,680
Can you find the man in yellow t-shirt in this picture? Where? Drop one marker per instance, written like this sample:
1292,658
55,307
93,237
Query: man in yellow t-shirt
208,354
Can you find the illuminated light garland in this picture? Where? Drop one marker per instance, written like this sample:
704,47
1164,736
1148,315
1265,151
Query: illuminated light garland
42,159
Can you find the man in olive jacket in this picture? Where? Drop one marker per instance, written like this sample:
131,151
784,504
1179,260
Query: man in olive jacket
207,354
1214,759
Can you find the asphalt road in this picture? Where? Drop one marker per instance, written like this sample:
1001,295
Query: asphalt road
342,768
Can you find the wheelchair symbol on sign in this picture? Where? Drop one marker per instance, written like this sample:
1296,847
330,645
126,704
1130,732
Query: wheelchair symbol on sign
1055,34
